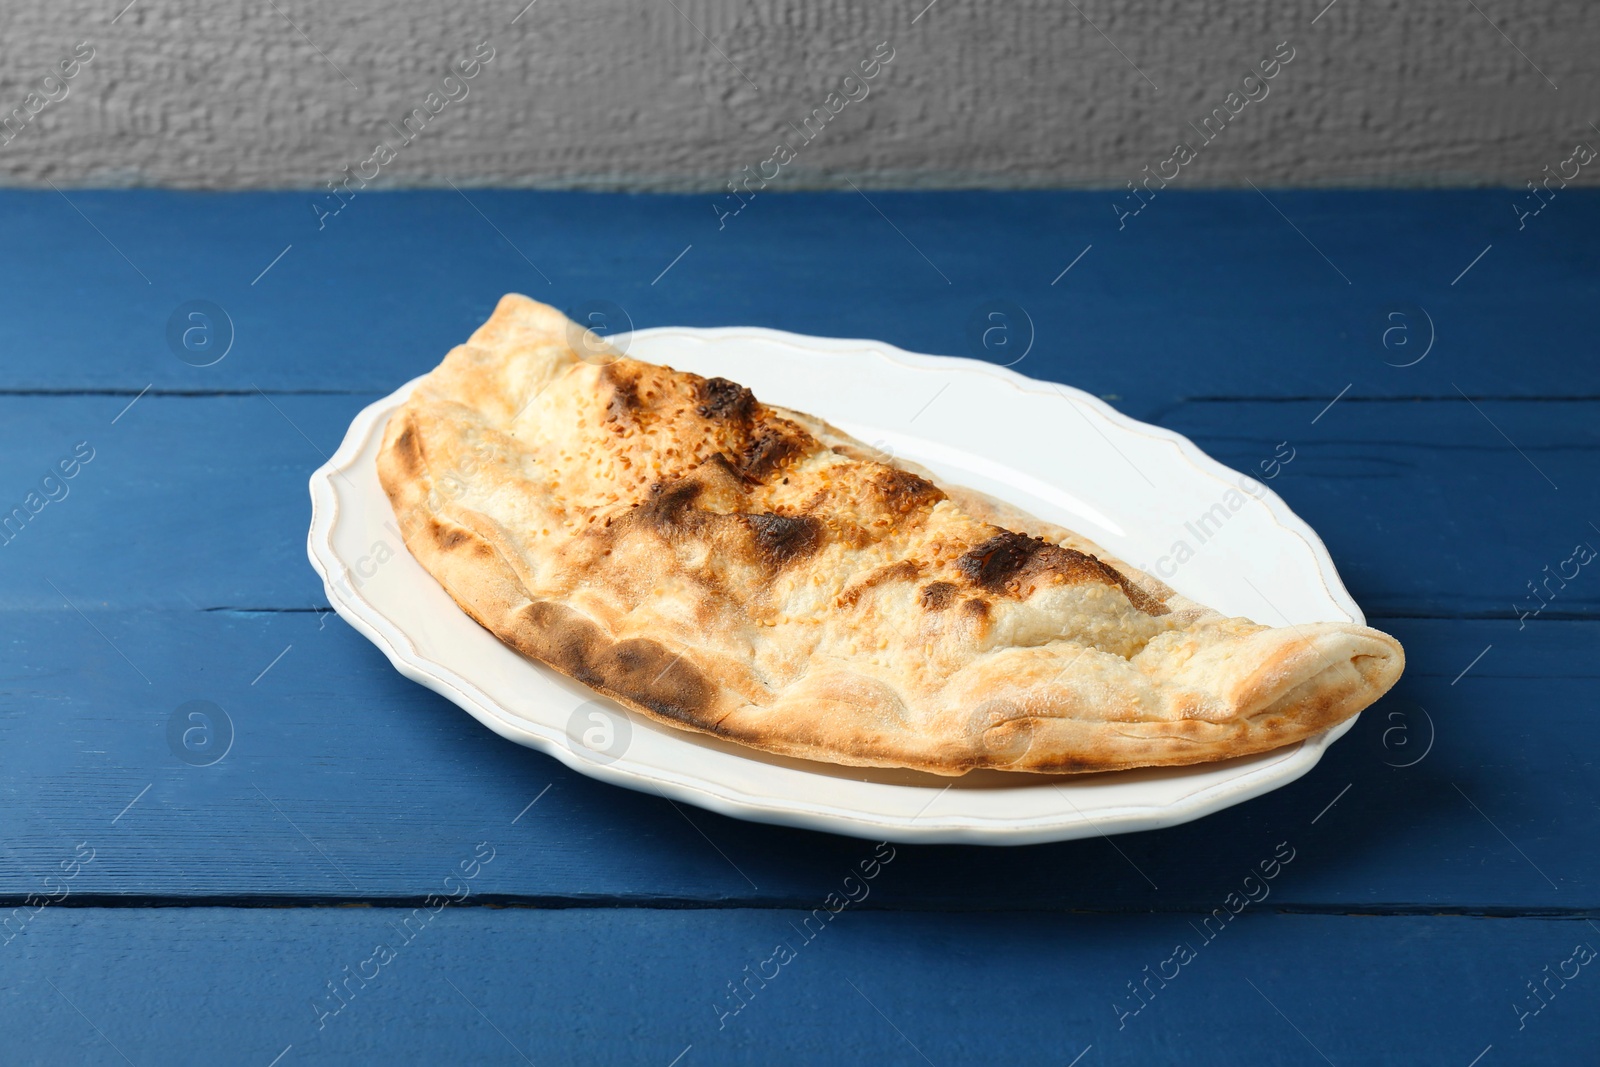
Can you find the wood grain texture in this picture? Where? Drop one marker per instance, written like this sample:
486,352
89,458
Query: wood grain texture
347,782
1203,295
620,96
476,985
1469,791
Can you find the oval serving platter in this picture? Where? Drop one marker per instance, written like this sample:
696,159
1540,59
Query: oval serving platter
1146,494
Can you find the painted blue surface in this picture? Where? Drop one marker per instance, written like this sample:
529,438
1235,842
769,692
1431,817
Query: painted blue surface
1444,852
639,986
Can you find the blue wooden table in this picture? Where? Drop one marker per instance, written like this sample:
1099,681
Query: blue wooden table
334,865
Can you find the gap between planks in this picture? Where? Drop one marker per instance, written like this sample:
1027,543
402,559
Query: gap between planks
563,903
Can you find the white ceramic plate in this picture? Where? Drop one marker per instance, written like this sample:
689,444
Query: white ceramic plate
1057,452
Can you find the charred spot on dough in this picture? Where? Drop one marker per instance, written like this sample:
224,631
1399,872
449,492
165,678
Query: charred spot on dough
1006,561
407,450
562,638
976,609
449,537
1003,560
767,449
669,503
1068,764
637,669
671,511
645,672
452,538
904,492
624,384
781,539
722,399
936,596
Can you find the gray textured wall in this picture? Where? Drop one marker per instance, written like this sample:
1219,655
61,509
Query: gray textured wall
682,94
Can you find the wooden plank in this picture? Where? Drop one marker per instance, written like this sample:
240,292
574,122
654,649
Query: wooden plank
1450,507
477,985
1466,789
201,501
1470,790
1218,295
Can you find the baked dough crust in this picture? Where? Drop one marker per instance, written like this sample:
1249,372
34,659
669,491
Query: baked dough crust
745,571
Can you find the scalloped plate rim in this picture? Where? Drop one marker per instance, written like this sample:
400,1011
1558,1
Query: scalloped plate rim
402,652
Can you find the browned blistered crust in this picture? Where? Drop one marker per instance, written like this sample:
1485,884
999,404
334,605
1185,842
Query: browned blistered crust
749,572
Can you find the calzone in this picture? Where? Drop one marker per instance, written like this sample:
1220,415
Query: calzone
726,566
